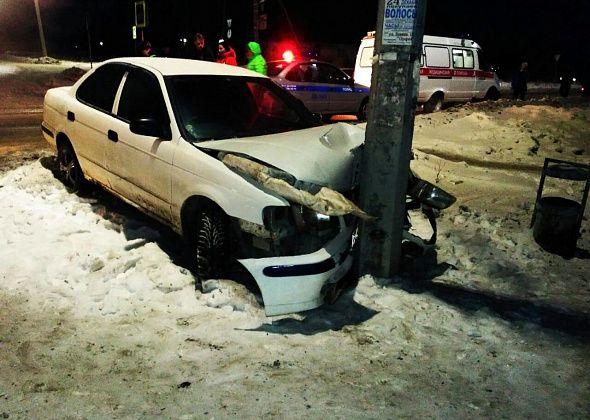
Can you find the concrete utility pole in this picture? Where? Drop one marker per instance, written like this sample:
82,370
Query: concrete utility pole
255,20
388,140
41,33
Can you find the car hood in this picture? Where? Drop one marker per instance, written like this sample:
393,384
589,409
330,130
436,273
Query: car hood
327,155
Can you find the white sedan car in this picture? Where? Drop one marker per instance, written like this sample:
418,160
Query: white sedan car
227,159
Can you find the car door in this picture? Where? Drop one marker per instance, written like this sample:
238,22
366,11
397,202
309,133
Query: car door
139,166
91,118
308,87
463,82
436,73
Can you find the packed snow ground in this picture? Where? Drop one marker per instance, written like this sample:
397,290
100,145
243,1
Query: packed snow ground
100,319
98,322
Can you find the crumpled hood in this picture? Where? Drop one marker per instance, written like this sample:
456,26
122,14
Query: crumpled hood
322,155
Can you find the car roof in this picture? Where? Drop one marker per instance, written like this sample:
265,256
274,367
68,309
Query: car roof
300,60
181,66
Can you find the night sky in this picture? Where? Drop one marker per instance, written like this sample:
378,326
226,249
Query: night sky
509,31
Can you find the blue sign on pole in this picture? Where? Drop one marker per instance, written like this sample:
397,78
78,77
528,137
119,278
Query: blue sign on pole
399,22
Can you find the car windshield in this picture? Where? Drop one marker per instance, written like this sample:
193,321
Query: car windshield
222,107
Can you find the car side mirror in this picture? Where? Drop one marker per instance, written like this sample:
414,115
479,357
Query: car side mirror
150,127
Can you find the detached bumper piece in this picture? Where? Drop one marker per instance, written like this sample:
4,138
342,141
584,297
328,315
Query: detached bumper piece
296,283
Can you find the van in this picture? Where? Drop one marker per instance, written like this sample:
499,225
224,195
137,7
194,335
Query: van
451,70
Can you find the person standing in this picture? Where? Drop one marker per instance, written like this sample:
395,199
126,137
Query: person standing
200,50
226,54
519,82
256,61
145,49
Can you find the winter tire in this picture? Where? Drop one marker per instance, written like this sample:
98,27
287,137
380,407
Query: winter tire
363,110
492,95
210,245
70,172
434,104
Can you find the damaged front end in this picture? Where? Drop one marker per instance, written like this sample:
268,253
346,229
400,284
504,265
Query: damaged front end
303,247
300,249
292,230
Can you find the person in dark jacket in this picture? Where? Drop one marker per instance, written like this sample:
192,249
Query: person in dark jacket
226,54
519,82
200,50
145,49
256,61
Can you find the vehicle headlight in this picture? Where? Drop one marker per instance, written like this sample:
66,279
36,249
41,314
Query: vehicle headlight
431,195
307,219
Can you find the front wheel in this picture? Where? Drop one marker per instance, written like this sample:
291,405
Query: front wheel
363,111
210,245
69,168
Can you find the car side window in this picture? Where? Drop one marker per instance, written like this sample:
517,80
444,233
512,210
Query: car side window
310,72
367,57
463,59
296,74
142,97
100,88
331,74
437,56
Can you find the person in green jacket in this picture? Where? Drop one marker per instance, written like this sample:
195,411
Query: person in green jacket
256,61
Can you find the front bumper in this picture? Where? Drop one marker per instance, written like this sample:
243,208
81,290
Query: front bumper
296,283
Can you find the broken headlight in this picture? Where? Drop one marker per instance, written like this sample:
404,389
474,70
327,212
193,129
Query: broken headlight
292,230
309,221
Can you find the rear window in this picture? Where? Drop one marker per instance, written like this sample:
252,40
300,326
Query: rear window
367,57
100,88
463,59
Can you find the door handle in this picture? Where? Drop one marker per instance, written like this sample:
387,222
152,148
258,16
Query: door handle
112,136
71,116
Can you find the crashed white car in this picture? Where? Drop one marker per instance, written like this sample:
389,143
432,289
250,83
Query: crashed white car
226,158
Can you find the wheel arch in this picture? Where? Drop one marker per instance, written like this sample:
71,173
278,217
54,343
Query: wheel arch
62,138
191,206
437,94
363,111
493,93
431,104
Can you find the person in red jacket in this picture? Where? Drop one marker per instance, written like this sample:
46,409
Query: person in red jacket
226,54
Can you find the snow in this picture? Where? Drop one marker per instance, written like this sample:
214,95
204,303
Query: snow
83,262
99,319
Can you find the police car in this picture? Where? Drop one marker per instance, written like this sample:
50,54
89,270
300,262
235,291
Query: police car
322,87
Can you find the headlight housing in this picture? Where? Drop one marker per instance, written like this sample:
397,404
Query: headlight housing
292,230
431,195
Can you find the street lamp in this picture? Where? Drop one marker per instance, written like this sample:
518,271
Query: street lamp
40,24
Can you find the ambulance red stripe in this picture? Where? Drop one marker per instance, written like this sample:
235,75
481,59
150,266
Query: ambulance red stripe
435,72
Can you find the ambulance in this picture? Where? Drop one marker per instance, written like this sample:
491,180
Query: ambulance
451,70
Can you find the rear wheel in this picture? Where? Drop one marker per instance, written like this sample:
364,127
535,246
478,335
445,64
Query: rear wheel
210,244
363,110
70,171
434,104
492,94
